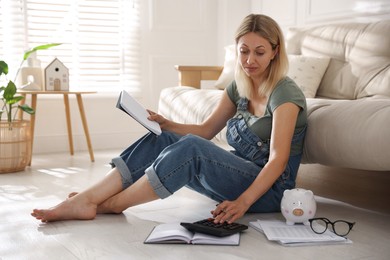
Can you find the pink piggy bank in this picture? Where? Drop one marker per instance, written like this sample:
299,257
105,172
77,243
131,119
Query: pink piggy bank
298,206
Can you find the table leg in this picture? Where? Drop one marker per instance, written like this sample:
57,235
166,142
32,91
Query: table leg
32,123
85,125
68,123
22,102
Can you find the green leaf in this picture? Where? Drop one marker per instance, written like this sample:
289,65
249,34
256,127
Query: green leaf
3,68
27,109
40,47
9,91
14,100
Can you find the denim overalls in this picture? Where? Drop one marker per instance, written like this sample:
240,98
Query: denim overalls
246,144
172,161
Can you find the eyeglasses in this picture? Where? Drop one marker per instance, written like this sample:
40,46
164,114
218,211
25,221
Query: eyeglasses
340,227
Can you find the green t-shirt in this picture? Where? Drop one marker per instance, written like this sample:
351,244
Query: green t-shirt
285,91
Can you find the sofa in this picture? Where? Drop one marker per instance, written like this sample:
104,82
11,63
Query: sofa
344,72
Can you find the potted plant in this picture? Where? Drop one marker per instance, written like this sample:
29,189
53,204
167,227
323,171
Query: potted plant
15,139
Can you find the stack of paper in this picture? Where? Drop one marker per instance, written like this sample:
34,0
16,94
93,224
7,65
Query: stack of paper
295,235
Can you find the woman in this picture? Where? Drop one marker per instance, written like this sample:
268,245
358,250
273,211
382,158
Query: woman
265,113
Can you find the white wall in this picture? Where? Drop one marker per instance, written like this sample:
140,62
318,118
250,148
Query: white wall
291,13
176,32
188,32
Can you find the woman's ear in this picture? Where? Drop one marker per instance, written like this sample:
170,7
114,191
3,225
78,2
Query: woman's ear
276,51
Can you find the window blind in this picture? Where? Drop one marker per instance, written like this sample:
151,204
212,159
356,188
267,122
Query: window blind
100,39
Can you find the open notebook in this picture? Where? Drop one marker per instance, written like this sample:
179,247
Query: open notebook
174,233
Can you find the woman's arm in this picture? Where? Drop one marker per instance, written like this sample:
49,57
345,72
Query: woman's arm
283,125
209,128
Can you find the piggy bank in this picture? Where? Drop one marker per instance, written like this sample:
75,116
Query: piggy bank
298,206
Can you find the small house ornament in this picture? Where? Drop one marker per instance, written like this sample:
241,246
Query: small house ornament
56,76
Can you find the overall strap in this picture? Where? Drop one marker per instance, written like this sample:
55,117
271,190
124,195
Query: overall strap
242,104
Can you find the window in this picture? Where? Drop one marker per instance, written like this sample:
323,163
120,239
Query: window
100,39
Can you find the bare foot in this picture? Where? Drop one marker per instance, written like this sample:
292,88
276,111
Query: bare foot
69,209
101,208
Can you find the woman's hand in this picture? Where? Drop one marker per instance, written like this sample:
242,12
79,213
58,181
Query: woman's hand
162,121
229,211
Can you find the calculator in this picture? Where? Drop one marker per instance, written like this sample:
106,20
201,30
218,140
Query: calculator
207,226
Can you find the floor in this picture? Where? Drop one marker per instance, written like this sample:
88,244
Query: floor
52,177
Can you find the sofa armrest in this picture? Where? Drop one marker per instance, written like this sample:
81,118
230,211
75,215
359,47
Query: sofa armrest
193,75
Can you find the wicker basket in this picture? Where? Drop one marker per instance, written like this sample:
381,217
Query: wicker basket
15,146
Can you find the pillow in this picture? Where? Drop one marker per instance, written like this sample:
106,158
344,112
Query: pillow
307,72
227,75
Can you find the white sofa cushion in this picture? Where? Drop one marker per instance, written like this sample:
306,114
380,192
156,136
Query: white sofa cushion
348,133
185,104
227,75
360,57
307,72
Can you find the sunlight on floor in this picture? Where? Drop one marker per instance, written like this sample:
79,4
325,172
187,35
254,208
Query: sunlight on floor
61,172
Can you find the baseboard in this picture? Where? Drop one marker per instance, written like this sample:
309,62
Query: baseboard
100,141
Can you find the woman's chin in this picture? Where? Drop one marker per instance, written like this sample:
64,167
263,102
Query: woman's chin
251,72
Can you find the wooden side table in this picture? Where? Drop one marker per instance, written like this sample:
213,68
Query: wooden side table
34,95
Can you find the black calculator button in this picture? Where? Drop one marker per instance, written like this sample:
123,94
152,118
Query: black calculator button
208,226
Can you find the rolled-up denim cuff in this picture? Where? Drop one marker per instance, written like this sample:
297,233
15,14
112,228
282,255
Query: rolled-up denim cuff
156,184
120,165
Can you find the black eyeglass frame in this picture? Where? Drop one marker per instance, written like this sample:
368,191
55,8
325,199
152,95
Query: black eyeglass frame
328,222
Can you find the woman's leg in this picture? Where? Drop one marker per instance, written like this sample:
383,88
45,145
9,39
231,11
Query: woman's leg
83,205
130,167
104,197
133,161
210,170
138,193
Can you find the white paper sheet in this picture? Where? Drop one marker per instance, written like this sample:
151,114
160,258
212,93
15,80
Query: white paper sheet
299,234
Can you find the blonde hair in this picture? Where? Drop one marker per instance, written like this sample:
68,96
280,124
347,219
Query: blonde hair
267,28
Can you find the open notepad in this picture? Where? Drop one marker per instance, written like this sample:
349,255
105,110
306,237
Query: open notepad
295,235
131,107
174,233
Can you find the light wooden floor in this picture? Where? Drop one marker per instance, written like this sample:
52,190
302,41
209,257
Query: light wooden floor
52,177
